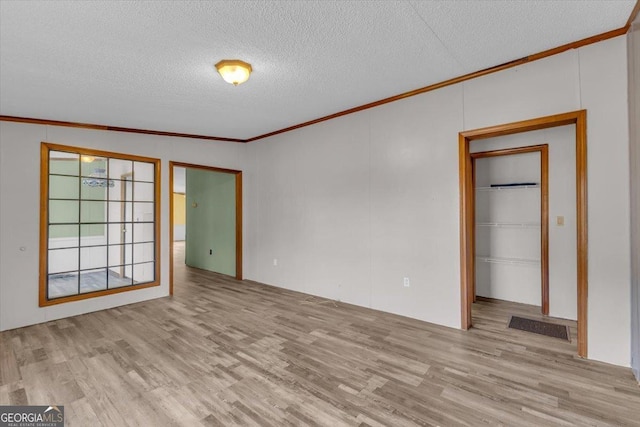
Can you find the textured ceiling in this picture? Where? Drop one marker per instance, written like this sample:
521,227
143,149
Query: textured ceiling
150,64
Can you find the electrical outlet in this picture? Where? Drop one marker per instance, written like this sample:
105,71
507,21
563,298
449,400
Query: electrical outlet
275,262
210,251
560,220
407,283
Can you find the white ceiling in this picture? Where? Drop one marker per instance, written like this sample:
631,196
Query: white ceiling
150,64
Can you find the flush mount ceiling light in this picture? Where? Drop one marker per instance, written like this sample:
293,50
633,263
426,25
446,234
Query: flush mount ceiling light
234,71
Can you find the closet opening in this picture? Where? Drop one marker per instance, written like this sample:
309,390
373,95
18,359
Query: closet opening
573,127
511,220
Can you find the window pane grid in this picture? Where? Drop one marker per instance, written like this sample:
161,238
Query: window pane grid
75,212
78,200
64,174
70,223
100,246
62,273
110,179
73,152
100,223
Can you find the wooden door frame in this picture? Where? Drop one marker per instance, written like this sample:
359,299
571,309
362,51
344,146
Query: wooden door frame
238,194
543,149
577,118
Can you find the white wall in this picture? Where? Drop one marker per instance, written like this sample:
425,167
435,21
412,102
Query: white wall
603,80
351,206
563,263
179,232
19,210
633,50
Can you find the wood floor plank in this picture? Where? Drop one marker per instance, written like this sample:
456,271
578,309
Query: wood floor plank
228,352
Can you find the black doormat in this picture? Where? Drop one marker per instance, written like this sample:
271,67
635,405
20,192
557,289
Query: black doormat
538,327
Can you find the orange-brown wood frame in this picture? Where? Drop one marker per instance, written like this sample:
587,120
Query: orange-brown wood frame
45,147
238,178
543,149
467,266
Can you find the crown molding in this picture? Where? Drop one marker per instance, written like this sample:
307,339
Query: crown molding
114,128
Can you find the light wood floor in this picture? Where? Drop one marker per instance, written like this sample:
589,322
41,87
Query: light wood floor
223,352
491,319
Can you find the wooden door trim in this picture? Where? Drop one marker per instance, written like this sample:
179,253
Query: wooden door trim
577,118
543,149
238,195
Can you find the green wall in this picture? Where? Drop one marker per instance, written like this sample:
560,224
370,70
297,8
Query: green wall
67,187
212,224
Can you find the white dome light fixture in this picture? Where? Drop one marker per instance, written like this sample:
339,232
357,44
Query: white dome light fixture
234,71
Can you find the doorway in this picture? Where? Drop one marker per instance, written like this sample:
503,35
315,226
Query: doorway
505,224
467,209
229,177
